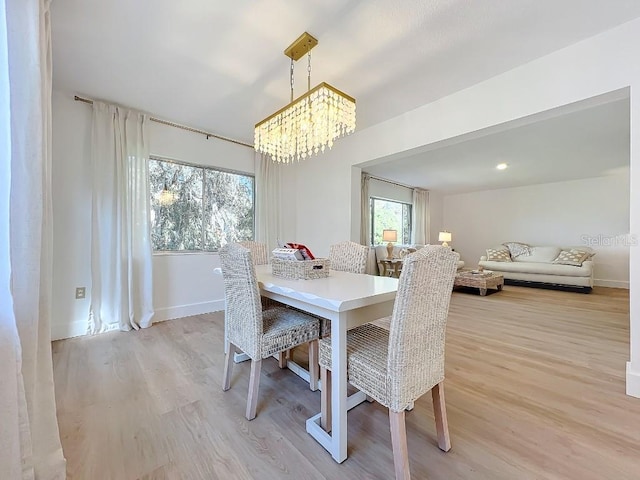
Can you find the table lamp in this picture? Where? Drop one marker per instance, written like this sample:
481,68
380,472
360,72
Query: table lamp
444,237
389,236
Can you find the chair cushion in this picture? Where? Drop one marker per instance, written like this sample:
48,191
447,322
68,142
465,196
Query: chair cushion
539,255
367,353
285,328
585,270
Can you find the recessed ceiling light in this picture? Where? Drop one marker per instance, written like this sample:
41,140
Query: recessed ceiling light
502,166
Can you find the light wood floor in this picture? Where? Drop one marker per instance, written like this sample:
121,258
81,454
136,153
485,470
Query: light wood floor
534,390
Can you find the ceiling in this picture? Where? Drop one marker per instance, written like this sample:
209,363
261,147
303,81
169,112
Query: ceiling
220,65
588,142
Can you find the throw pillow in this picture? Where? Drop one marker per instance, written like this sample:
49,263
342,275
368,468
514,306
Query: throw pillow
516,249
588,254
571,257
498,255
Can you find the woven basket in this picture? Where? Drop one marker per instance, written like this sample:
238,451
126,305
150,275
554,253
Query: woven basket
300,269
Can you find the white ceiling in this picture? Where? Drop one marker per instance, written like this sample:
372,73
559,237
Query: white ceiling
219,65
588,142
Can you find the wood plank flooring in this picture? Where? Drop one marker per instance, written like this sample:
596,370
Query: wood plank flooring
535,390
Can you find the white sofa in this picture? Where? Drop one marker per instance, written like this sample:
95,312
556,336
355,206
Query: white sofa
381,254
539,269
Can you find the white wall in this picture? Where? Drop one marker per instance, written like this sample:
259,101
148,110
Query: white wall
183,284
323,193
581,212
596,66
436,221
71,180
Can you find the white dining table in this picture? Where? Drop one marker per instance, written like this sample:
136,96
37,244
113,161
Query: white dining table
348,300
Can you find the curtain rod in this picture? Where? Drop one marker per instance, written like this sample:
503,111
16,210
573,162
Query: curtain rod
393,183
177,125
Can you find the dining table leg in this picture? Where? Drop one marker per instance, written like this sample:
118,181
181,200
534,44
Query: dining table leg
336,441
339,389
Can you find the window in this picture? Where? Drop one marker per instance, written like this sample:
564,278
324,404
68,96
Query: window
209,209
390,215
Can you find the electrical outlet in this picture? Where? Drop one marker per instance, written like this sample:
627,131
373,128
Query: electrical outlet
80,293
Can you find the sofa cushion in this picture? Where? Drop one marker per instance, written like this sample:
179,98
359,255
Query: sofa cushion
540,255
571,257
498,255
540,268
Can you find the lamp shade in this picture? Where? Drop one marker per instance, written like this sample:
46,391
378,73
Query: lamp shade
444,236
389,235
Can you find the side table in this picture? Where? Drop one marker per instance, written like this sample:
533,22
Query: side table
391,267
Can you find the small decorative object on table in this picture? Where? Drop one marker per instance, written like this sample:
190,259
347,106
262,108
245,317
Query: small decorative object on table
480,273
300,269
296,262
406,251
287,254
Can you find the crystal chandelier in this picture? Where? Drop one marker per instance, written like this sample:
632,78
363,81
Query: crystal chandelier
166,197
309,123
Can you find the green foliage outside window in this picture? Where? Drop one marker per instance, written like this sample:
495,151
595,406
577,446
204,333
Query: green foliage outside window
390,215
210,207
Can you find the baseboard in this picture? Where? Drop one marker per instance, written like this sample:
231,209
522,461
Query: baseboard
599,282
80,327
179,311
69,330
633,380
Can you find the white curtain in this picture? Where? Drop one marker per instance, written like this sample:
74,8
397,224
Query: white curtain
268,203
365,211
121,271
420,216
29,439
365,225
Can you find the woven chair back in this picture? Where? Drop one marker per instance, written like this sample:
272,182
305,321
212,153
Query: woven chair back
243,309
348,257
258,251
418,323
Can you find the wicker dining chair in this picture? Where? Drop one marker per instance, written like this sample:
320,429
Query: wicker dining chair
258,251
345,257
397,366
255,331
348,257
260,256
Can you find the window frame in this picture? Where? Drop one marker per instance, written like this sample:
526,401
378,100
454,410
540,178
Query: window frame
372,199
160,158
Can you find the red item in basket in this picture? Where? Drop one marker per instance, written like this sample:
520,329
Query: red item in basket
306,253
